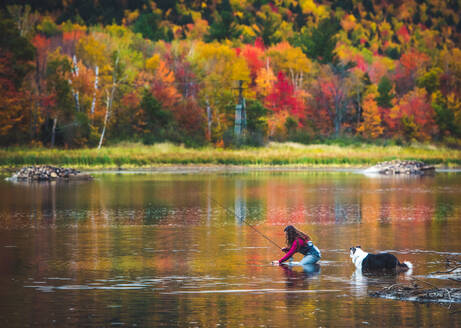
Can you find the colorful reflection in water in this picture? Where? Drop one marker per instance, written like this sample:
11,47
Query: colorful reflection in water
156,250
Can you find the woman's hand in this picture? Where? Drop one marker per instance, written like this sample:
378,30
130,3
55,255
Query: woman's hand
285,249
275,262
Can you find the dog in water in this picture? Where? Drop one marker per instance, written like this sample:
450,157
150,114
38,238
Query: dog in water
376,263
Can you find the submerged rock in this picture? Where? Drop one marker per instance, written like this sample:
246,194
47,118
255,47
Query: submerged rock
401,167
48,173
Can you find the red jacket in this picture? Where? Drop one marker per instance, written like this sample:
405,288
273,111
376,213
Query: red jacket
297,244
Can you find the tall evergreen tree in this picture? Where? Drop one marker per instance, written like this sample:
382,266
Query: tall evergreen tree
385,93
223,26
319,43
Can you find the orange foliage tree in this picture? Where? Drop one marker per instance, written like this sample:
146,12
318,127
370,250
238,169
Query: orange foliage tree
371,126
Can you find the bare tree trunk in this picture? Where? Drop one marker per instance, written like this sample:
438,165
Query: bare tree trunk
238,113
109,100
93,103
53,131
108,105
75,93
210,119
110,97
103,130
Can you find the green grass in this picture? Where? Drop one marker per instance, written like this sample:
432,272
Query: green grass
132,155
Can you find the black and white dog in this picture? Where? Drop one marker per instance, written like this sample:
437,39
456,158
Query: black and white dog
382,262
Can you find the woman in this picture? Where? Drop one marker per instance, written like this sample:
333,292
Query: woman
298,241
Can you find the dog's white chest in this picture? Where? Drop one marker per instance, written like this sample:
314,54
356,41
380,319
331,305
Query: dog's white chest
358,257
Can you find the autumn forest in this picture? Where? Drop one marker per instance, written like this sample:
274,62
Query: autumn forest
227,73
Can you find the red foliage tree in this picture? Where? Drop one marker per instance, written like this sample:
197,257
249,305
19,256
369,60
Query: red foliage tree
403,34
413,116
283,98
407,68
253,56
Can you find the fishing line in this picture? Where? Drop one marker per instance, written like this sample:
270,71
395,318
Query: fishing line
242,219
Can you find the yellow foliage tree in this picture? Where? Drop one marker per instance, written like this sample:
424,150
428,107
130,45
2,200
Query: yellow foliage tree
153,62
290,60
264,81
371,126
219,68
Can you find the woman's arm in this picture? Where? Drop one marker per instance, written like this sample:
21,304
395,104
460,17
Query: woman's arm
291,252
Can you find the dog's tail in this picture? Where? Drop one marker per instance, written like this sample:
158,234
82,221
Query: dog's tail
406,267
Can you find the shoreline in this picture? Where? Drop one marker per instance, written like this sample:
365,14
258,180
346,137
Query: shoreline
275,156
203,168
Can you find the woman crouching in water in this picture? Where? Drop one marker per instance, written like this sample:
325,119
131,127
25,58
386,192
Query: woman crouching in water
298,241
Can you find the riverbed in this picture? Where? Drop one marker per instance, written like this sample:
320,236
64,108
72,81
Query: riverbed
191,249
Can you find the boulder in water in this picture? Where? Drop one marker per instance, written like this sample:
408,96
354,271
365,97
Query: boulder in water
47,173
401,167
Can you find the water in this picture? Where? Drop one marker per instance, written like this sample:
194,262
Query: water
138,250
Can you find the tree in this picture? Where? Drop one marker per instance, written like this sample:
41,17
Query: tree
118,76
59,102
24,18
223,26
220,69
337,87
198,30
14,113
371,125
265,79
385,96
254,58
291,61
18,47
156,119
267,25
414,116
447,114
92,52
149,25
430,80
319,42
406,72
283,98
256,113
16,58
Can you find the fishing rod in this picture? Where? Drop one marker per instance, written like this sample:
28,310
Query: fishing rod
242,219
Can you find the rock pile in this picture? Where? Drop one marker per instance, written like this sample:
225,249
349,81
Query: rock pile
401,167
47,173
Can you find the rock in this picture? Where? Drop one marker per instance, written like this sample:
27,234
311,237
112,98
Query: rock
401,167
47,173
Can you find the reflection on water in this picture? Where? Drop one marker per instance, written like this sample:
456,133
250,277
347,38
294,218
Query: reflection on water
279,199
155,250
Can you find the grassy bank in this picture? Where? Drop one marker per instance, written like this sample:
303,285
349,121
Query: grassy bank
138,155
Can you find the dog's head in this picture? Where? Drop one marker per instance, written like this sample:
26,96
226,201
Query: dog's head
354,251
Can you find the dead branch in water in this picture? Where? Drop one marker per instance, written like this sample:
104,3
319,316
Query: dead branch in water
448,271
425,282
452,261
416,293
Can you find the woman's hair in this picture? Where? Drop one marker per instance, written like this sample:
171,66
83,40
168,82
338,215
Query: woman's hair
292,234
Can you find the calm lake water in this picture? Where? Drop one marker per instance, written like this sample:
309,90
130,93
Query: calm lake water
141,250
